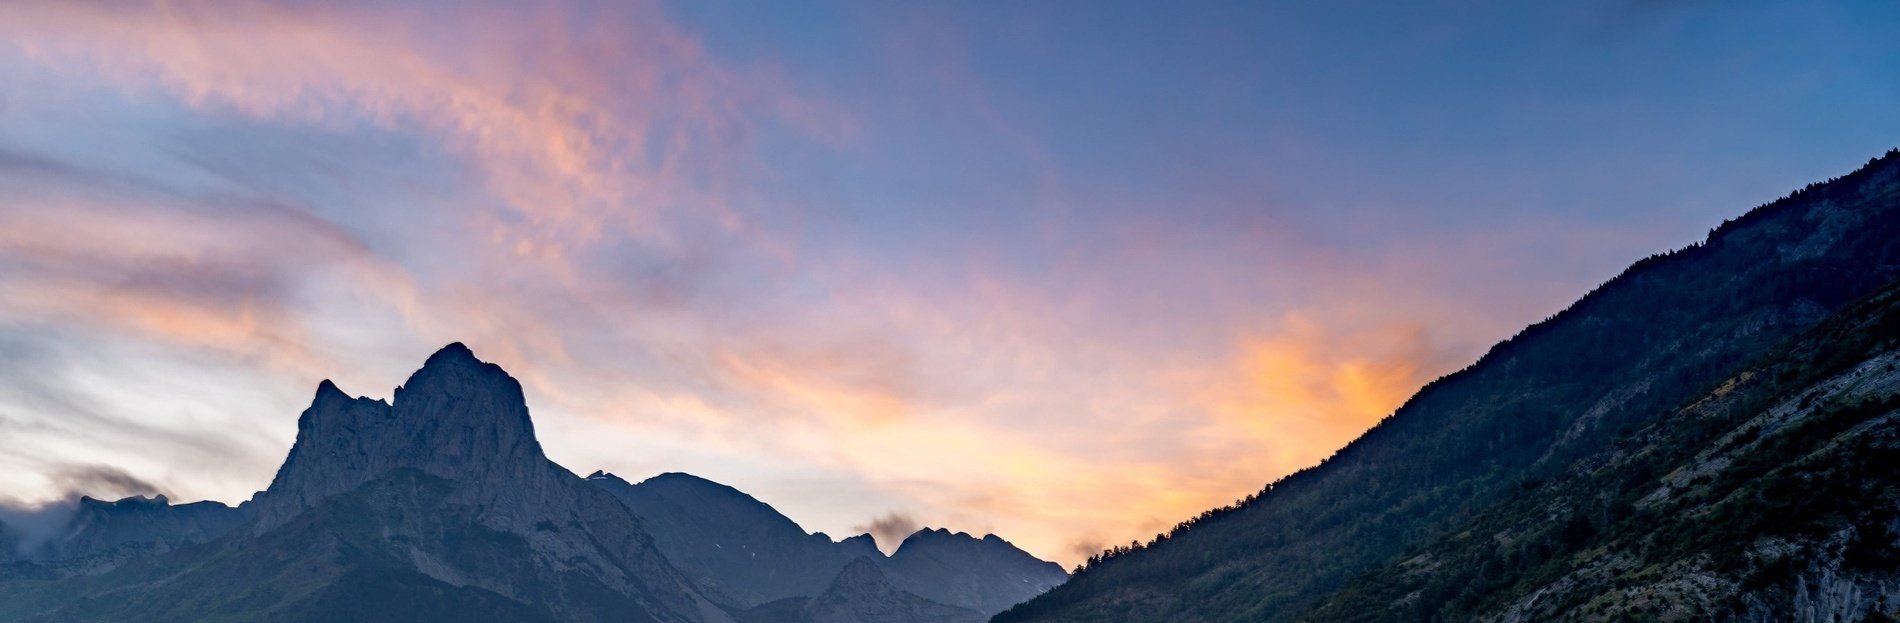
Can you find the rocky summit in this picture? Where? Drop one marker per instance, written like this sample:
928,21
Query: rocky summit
457,418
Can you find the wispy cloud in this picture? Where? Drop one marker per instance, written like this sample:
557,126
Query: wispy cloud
1070,280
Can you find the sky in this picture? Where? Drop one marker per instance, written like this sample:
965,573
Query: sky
1067,272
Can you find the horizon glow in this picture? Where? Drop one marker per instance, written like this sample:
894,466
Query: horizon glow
1067,273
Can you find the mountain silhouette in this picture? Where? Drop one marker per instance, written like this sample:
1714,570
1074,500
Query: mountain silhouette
1536,409
438,505
759,556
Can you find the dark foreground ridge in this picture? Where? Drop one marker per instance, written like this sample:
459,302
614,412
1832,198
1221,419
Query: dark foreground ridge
1471,502
440,505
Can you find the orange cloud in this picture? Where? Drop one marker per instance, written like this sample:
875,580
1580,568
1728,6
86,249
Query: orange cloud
1309,388
984,404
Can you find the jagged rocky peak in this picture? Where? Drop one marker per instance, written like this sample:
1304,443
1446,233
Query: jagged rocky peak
466,411
862,545
457,417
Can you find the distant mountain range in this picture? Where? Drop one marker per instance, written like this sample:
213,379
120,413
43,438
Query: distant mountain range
440,506
1711,435
759,558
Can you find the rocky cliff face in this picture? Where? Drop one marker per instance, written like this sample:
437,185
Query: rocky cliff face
456,418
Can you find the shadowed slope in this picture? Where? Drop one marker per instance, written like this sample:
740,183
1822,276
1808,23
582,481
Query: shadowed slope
1660,334
732,545
1772,498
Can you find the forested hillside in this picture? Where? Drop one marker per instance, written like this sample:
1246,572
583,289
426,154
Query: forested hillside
1773,498
1666,331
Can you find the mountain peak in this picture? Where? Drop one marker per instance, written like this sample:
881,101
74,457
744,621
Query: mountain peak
327,390
456,417
937,563
455,353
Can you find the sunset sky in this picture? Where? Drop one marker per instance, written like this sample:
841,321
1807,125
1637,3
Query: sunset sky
1068,272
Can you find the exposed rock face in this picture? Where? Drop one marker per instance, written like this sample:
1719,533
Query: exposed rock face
733,546
457,418
987,575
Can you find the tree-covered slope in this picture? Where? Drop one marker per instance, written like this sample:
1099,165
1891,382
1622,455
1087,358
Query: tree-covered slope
1775,497
1664,332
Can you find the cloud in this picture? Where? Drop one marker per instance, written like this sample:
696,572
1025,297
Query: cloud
28,525
1303,390
25,527
102,482
889,529
213,205
586,122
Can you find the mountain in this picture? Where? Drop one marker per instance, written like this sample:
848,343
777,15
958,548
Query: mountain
1536,407
987,575
1773,497
742,550
440,505
99,535
731,544
862,592
437,506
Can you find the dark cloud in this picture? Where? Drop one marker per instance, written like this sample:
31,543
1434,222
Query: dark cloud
890,529
103,482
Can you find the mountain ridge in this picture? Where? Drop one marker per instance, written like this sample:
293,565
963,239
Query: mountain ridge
761,556
1658,334
438,504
